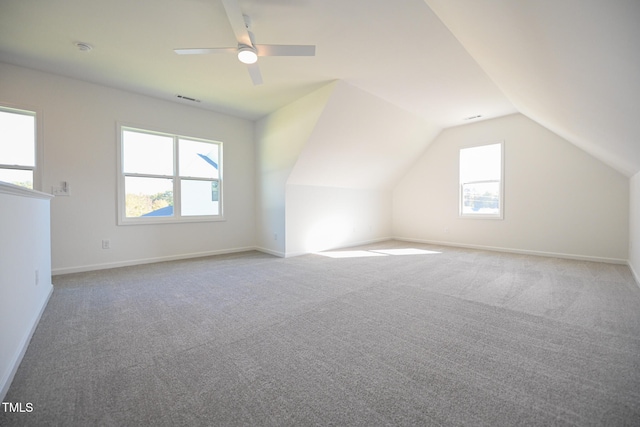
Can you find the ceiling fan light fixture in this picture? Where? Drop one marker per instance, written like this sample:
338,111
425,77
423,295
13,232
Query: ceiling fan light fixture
247,55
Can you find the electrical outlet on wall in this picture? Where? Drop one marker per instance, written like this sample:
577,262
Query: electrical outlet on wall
106,244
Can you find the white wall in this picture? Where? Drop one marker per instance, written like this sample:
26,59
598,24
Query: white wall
558,199
339,190
280,137
79,122
634,226
321,218
25,273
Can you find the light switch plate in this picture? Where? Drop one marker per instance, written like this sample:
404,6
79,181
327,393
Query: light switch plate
62,190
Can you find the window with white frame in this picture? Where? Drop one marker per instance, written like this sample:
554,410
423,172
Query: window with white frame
481,184
168,178
18,147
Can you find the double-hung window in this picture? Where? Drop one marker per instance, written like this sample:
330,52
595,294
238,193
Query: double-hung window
481,183
168,178
18,147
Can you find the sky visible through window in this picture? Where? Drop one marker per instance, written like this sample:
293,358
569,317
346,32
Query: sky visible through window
17,146
480,163
153,154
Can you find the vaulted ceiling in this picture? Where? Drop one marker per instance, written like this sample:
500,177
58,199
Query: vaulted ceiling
570,65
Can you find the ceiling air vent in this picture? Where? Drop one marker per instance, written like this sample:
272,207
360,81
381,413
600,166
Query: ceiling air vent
83,47
186,98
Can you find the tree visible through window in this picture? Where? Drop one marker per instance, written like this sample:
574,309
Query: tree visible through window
165,178
17,146
481,181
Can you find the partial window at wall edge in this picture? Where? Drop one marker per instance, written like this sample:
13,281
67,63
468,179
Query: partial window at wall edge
19,147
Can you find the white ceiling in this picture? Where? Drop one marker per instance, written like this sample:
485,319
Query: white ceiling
399,51
571,65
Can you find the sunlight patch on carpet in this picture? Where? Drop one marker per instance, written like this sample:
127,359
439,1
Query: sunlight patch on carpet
375,252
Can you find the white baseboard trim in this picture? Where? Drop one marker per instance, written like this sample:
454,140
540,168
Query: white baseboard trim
271,252
117,264
6,380
635,273
517,251
92,267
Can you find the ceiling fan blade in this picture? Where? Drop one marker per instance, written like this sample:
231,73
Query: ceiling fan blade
285,50
236,19
201,51
254,72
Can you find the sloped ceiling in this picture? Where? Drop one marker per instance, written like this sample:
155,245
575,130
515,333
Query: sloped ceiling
571,65
360,141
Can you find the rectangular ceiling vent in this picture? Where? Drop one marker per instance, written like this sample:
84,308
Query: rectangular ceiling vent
188,98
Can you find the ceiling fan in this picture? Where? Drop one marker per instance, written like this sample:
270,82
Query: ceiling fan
247,50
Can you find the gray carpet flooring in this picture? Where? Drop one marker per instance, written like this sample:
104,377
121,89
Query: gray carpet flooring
388,336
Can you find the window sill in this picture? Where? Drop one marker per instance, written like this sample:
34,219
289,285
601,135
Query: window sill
157,221
480,216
